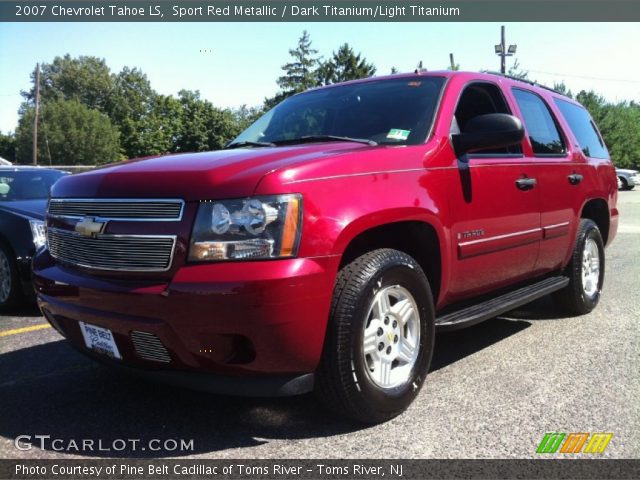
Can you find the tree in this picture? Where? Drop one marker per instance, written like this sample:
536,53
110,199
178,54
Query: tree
85,79
300,73
394,70
562,88
245,115
619,125
344,65
156,132
593,102
83,89
516,71
203,127
131,106
271,102
70,134
620,128
8,146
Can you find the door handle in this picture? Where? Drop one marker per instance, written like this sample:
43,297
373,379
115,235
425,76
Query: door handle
575,178
526,183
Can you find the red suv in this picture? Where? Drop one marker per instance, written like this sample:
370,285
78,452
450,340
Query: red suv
323,247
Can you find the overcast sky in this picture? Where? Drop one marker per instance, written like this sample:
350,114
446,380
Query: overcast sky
239,62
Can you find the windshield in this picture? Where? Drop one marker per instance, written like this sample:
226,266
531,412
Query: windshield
397,111
27,185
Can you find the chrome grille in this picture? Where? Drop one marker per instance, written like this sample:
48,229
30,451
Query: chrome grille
149,253
118,209
149,347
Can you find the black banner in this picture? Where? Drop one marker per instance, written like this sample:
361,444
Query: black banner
319,469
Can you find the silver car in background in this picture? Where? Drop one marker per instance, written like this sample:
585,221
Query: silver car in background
627,179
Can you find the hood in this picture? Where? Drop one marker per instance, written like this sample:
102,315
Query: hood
626,171
195,176
28,208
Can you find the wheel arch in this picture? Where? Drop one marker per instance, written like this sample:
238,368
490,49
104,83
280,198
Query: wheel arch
419,237
597,209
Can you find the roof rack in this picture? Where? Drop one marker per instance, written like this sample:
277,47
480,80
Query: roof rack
524,80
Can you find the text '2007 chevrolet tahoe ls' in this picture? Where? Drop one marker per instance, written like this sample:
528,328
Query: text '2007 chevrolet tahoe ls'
323,247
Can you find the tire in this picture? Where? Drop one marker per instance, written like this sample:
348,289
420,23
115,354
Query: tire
10,287
625,184
583,294
375,384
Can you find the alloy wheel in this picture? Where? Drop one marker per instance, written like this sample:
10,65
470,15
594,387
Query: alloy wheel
391,337
590,267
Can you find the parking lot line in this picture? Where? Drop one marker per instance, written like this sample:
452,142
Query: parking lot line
32,328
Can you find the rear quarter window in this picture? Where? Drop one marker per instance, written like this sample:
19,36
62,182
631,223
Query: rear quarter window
583,129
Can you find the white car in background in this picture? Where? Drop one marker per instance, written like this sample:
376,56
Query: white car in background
627,179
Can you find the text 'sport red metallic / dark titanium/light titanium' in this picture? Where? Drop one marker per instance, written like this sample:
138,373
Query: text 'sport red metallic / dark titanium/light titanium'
323,246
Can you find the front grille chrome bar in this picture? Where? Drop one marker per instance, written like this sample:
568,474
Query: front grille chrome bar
139,253
135,209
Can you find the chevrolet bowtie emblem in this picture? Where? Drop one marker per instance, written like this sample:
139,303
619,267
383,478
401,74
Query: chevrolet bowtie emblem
89,227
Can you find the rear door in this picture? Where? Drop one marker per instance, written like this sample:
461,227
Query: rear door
559,173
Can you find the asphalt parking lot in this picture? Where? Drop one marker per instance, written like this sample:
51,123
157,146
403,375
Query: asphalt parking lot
493,392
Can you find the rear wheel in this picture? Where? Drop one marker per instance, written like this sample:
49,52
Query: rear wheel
379,340
585,271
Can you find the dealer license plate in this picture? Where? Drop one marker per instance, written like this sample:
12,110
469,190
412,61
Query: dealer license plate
99,340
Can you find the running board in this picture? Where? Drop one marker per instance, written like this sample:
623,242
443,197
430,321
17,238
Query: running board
493,307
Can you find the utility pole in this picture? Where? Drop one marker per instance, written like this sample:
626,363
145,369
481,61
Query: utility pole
453,64
503,52
35,118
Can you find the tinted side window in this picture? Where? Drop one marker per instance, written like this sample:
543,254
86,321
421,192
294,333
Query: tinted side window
543,131
583,128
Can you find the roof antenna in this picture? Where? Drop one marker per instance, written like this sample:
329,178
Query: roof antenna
420,69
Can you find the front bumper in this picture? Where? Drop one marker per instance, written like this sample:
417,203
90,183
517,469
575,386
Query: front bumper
243,323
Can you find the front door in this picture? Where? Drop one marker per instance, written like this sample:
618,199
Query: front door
495,207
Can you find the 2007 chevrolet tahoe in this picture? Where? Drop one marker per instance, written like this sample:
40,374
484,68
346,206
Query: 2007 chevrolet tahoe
323,247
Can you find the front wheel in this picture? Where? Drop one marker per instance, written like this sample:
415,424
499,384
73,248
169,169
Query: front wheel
380,336
585,271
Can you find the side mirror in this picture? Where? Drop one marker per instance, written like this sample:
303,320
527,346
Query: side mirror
493,130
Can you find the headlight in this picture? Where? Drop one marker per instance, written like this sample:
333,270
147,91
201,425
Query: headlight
38,232
250,228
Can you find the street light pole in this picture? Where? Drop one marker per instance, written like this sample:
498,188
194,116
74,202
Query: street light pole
503,51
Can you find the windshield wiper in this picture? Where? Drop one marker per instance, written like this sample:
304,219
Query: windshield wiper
248,144
324,138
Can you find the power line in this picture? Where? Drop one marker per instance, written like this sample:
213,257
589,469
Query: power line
585,77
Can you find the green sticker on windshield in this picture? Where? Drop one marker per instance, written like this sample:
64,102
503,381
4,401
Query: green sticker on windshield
397,134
